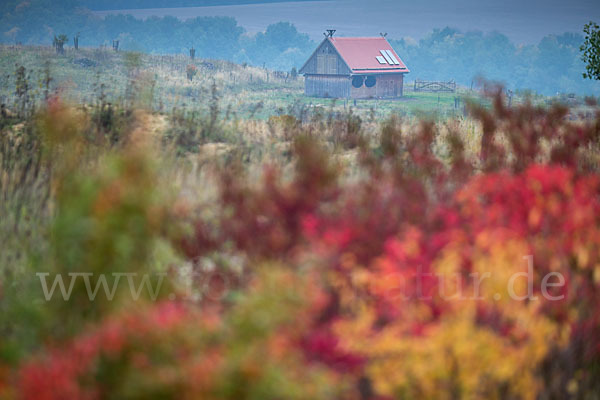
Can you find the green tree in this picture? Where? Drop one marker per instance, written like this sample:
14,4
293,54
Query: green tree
591,51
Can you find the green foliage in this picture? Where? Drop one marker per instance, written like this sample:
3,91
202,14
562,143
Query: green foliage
280,47
591,51
24,208
108,218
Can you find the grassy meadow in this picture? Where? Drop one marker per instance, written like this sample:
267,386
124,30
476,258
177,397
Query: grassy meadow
78,74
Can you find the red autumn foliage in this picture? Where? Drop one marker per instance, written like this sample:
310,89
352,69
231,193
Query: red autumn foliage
534,180
59,373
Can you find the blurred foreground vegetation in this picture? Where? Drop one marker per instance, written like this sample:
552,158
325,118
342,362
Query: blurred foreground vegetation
287,237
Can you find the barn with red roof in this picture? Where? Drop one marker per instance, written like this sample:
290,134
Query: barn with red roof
354,67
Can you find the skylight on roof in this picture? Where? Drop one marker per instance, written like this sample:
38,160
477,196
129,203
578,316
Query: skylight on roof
393,57
381,60
387,57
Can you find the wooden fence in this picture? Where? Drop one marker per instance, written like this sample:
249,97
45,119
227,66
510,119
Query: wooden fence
434,86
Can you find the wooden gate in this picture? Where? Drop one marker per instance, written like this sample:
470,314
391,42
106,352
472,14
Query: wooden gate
434,86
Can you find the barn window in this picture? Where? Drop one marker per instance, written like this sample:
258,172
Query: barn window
370,81
357,81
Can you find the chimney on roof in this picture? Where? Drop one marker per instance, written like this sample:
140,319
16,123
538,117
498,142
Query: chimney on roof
329,33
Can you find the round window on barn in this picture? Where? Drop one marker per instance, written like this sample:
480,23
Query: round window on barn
370,81
357,81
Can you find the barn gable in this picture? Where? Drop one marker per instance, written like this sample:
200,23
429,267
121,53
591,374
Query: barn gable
325,60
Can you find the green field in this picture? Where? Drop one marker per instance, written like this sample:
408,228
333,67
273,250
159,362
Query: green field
246,91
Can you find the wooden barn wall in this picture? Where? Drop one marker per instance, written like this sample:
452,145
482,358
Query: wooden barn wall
386,86
327,86
325,61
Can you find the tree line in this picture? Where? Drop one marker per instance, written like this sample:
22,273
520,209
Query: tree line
133,4
554,65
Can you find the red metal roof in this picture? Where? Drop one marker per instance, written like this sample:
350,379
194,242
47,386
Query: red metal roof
360,54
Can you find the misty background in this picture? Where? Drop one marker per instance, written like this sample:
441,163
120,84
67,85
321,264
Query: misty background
527,45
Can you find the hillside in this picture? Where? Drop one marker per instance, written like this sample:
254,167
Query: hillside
246,90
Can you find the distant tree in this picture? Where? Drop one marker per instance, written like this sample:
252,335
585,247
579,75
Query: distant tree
294,73
282,36
59,42
591,51
269,47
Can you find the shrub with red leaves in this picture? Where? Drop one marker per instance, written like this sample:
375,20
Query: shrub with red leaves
534,182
